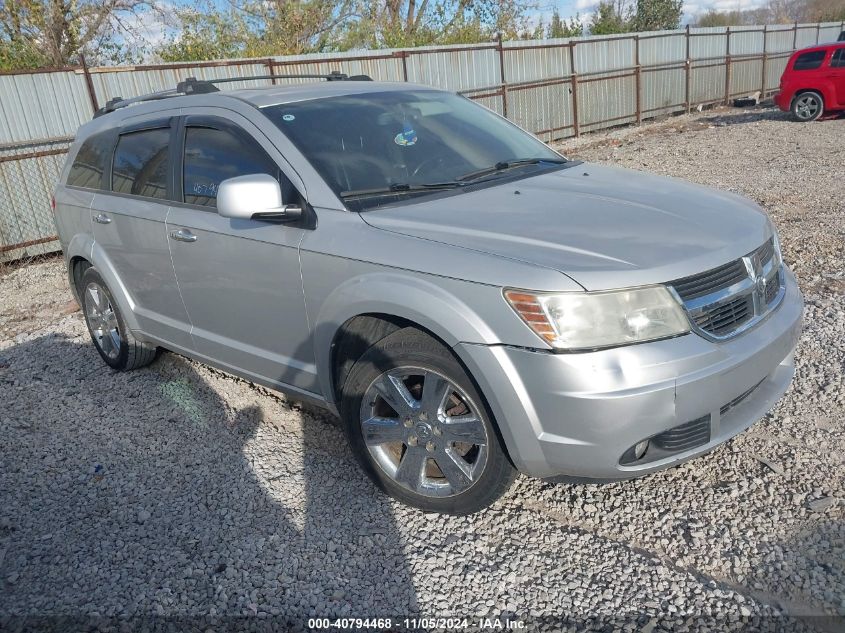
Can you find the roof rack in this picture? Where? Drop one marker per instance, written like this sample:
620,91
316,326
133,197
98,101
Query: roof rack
193,86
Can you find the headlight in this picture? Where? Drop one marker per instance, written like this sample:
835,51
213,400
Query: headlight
591,320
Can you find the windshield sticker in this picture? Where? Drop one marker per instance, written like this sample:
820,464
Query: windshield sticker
288,117
406,137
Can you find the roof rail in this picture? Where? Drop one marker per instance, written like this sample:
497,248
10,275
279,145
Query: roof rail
193,86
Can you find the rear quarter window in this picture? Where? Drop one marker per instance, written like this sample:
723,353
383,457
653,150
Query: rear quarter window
90,162
141,163
838,60
809,61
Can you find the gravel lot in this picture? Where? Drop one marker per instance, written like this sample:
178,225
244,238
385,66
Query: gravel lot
178,490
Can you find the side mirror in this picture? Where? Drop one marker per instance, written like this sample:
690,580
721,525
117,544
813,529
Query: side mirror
254,197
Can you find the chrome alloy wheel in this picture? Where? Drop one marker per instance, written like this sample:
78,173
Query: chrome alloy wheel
102,320
807,107
424,431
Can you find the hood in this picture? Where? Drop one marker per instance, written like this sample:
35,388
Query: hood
604,227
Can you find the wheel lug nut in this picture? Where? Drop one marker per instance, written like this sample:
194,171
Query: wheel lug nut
429,447
437,430
412,441
409,422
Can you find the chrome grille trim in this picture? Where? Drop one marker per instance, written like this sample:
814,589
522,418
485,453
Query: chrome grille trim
751,288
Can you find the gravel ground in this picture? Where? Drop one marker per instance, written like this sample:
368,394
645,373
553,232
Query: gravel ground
178,490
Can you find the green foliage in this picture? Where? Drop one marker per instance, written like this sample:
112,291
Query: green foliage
721,18
612,16
21,55
559,28
658,15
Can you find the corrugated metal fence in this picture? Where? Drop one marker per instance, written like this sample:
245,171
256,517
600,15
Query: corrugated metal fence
555,88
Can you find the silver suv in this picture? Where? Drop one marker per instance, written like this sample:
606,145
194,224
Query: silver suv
470,302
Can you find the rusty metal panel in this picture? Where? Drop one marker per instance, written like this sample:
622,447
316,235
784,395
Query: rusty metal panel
663,91
459,69
746,76
708,43
807,36
774,70
606,103
544,109
382,65
42,105
602,54
779,39
746,40
659,48
830,31
532,64
132,83
707,83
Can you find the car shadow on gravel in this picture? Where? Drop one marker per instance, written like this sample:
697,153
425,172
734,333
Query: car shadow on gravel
145,494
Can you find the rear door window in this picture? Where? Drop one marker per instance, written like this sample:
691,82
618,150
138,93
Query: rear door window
90,162
141,163
809,61
838,60
213,155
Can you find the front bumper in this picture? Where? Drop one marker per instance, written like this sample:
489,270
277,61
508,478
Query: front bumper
576,415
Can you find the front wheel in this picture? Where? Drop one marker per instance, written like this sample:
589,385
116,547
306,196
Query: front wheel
115,343
420,429
807,106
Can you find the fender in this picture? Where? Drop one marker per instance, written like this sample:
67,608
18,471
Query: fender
400,295
83,245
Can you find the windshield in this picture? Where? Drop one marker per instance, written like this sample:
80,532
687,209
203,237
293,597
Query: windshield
382,148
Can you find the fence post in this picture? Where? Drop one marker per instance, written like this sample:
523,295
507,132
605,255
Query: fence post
795,37
574,80
501,48
404,55
271,68
639,76
728,66
818,32
765,60
92,94
687,96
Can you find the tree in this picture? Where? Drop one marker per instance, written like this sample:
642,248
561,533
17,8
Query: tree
54,32
559,28
612,16
721,18
658,15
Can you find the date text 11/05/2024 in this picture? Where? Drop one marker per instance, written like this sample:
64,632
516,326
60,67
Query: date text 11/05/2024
448,624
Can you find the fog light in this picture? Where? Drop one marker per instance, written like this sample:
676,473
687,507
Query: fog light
640,449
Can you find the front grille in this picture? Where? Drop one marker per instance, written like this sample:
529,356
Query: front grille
727,317
724,301
703,284
684,437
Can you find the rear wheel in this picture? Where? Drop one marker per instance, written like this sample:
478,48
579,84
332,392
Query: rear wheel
116,345
807,106
420,429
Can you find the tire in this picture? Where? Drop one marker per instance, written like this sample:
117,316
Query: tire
441,450
115,343
807,106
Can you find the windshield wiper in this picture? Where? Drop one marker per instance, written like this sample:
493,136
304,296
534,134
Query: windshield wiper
508,164
400,188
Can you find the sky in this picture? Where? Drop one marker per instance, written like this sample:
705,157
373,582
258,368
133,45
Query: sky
153,30
692,8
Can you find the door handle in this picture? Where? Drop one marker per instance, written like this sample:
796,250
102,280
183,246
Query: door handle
102,218
183,235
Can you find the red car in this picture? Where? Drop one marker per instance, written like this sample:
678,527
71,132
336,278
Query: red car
813,82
